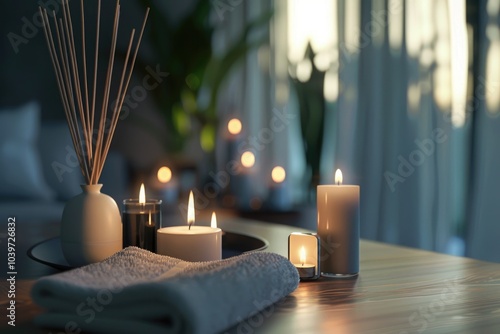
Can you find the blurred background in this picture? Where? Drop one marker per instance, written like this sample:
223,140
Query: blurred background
254,103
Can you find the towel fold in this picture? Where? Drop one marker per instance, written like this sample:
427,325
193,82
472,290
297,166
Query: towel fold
136,291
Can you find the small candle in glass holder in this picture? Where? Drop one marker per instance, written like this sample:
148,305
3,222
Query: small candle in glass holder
141,220
303,253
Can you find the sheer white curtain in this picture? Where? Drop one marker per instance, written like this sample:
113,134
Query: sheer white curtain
408,116
401,117
396,104
255,93
484,220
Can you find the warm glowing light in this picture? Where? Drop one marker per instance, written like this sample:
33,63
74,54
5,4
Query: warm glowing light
142,195
190,213
278,174
213,221
492,78
395,25
412,19
413,96
302,255
304,70
426,24
313,21
351,27
164,174
234,126
149,220
323,60
493,7
442,91
248,159
338,177
331,87
459,61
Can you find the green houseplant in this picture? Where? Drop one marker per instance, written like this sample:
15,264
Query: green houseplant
195,72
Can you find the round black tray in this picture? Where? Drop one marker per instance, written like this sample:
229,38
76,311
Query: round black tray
49,251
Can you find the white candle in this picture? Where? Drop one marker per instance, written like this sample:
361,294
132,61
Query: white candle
338,228
191,243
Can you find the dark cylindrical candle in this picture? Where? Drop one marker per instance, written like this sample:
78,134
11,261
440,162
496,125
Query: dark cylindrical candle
140,223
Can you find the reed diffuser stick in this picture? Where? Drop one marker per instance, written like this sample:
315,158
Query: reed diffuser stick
78,103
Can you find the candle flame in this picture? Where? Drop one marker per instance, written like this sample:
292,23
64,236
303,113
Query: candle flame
213,222
142,195
190,213
278,174
234,126
338,177
247,159
164,174
302,255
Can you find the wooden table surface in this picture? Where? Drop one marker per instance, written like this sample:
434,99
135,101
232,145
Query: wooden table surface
399,290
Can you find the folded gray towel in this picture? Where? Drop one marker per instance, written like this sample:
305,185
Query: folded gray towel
136,291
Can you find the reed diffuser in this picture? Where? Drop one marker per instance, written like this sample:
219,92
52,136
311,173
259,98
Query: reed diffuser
91,227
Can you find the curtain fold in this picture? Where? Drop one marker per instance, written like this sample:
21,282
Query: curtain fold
395,136
483,228
409,118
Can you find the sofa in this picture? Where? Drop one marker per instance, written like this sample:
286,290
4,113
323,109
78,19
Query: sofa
39,170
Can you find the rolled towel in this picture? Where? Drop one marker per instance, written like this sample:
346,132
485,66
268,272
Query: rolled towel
136,291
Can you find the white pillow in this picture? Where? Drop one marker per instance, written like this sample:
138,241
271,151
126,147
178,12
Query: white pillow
21,174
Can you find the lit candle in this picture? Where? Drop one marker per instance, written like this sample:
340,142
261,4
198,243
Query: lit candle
242,184
141,219
167,186
279,196
303,252
306,270
150,235
191,242
338,228
234,126
234,134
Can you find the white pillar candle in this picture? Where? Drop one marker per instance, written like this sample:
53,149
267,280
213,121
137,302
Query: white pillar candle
338,228
200,243
191,243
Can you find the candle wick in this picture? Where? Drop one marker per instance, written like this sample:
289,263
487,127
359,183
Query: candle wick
190,226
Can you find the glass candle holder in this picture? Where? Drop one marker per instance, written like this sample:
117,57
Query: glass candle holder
303,253
140,223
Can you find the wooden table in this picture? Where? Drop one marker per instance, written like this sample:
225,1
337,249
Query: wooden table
399,290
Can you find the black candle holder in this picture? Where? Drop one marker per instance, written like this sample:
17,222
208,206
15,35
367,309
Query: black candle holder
140,223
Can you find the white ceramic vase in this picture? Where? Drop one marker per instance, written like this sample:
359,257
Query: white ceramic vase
91,227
